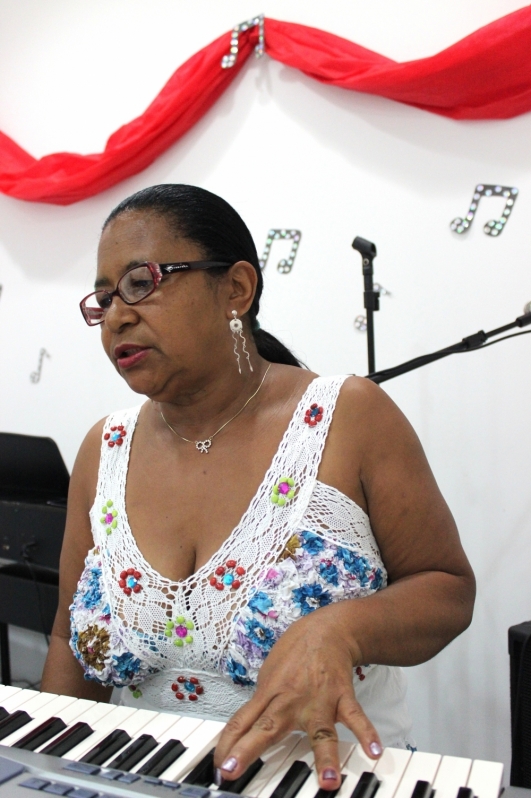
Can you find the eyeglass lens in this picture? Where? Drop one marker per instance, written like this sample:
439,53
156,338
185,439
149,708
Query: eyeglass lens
134,286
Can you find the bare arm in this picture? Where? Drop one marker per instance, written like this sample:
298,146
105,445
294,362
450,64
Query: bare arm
62,673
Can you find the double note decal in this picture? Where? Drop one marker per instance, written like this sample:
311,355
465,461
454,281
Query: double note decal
494,227
35,376
285,265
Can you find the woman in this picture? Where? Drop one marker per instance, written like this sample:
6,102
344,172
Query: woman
167,592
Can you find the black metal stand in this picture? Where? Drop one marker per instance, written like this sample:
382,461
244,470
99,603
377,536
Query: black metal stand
5,667
468,344
371,298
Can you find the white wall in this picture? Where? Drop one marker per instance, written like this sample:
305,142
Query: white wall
287,151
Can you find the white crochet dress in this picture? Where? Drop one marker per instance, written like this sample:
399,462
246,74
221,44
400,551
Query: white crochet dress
195,646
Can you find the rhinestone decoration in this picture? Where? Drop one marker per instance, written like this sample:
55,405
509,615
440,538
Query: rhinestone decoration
181,628
313,415
229,60
187,688
129,581
359,673
135,691
228,575
109,517
283,491
494,227
286,264
116,436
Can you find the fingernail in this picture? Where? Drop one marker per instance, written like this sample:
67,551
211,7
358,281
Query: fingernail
375,749
218,778
329,774
231,763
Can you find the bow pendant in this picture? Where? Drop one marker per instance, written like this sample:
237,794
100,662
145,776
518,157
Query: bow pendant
203,446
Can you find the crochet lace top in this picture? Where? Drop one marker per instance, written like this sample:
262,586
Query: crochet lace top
195,646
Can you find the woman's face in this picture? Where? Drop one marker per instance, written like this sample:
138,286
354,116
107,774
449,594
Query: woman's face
171,341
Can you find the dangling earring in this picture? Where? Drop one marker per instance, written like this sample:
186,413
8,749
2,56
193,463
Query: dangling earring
237,329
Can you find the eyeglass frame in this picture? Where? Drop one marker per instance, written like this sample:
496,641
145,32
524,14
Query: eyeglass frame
158,270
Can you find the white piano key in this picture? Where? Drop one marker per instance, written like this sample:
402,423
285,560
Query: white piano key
389,770
70,715
311,785
21,697
272,759
198,745
134,726
357,763
453,773
302,753
91,716
6,691
180,729
421,766
52,709
485,778
115,719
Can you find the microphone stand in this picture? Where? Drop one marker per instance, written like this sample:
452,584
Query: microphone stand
371,298
476,341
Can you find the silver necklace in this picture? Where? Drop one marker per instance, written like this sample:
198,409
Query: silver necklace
204,446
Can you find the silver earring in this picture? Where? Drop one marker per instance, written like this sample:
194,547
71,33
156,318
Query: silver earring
237,329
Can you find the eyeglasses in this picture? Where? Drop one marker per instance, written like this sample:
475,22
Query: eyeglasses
135,285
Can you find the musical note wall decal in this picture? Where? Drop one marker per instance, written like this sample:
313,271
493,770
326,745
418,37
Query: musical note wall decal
494,227
35,376
228,61
286,264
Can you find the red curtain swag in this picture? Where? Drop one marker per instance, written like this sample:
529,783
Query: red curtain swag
486,75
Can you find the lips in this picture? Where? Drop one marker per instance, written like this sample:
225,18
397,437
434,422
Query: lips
128,355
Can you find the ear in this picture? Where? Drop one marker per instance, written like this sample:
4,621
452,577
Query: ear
241,288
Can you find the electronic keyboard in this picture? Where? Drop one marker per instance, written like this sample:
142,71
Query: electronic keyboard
60,745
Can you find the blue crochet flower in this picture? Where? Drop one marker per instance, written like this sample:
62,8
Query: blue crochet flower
311,597
238,673
260,602
377,579
328,571
92,594
355,565
126,666
312,543
260,635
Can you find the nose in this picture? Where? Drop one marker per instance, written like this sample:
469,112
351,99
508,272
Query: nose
120,314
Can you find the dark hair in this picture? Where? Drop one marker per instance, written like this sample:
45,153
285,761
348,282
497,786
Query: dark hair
213,224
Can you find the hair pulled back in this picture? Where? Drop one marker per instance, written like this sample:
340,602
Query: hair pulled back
210,222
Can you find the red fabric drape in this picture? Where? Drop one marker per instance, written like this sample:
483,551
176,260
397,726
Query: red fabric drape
486,75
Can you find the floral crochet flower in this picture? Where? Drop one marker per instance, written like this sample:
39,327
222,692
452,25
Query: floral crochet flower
129,581
93,646
181,628
116,436
311,597
228,575
91,596
260,635
190,687
283,491
313,415
238,673
109,517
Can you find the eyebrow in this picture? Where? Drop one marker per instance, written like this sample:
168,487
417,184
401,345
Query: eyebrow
102,282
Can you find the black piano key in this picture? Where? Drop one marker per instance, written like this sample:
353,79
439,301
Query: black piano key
203,773
165,756
106,748
72,737
367,786
134,753
465,792
3,713
13,722
34,739
330,793
238,785
423,789
292,781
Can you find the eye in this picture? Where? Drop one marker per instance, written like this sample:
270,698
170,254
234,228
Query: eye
103,299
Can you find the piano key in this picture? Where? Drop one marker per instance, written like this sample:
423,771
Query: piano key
28,700
368,784
41,734
422,789
421,767
311,787
238,785
54,708
273,758
198,744
178,732
134,753
69,739
328,793
389,770
109,719
357,763
6,691
452,774
302,752
202,775
292,781
3,713
107,747
465,792
134,727
15,721
169,752
485,778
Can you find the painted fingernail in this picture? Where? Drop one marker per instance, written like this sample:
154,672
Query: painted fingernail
375,749
329,774
231,763
218,778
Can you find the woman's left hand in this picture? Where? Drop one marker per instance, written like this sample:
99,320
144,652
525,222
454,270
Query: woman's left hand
306,684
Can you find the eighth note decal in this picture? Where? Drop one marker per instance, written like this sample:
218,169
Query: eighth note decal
35,376
494,227
286,264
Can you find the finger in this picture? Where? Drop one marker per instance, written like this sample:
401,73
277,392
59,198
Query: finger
352,715
322,734
247,745
237,726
